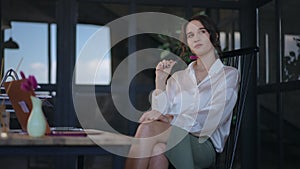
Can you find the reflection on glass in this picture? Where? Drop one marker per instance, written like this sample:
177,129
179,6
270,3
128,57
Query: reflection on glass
291,39
291,58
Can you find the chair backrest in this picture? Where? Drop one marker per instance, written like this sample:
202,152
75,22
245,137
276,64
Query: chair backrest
10,73
243,60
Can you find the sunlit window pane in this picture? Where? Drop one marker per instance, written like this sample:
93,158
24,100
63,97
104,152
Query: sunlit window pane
53,53
93,61
32,54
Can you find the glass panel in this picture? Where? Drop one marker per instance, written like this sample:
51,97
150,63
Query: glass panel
267,68
53,53
92,17
93,67
32,54
291,130
268,131
291,33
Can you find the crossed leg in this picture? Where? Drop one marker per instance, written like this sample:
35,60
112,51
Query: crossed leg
148,153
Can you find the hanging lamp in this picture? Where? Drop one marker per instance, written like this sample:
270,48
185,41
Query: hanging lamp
10,43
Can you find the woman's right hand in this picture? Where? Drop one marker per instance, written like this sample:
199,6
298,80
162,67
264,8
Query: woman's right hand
163,69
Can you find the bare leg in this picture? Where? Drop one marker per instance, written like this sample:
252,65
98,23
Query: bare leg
159,160
139,154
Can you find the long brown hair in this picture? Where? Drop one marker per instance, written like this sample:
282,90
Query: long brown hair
210,26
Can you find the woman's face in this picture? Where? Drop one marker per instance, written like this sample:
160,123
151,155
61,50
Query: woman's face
198,38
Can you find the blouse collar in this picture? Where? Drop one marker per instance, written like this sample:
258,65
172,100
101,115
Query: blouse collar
217,65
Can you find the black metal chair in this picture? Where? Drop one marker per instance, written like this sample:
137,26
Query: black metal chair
243,60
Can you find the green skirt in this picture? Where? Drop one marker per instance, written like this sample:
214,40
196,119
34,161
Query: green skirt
185,152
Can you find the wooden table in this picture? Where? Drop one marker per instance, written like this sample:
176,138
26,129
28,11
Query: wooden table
70,150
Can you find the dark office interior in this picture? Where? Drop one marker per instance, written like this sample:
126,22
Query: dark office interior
270,131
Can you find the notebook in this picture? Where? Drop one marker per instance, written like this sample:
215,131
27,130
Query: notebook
21,103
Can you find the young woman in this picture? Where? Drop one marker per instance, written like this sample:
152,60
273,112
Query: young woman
191,111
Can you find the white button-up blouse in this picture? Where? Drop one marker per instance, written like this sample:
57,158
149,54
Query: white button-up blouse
203,109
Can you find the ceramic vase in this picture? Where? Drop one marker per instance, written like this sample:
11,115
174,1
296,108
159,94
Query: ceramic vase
36,125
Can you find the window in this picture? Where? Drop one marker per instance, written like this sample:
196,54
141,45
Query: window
93,58
32,54
226,41
291,60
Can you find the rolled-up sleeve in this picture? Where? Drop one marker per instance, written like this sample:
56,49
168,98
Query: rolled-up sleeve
163,101
160,102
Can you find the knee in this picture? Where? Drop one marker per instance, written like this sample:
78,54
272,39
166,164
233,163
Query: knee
145,130
158,149
151,129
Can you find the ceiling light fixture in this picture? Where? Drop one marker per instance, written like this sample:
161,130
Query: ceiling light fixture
10,43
